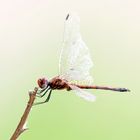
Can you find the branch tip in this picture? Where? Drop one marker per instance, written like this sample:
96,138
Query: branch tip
22,126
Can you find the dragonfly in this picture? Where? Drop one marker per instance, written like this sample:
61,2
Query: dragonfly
74,66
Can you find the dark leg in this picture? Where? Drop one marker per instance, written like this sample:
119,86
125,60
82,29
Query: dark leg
46,99
42,90
43,93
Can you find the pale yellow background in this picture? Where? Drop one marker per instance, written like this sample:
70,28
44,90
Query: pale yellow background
30,40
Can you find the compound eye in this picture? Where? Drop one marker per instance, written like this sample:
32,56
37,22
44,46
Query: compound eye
42,83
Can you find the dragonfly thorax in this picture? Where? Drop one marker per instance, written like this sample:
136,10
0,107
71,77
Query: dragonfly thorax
58,83
42,82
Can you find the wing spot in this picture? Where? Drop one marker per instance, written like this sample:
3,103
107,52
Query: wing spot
67,17
71,68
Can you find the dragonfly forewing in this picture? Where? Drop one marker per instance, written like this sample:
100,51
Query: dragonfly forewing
75,61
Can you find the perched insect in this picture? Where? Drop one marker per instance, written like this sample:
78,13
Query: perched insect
74,66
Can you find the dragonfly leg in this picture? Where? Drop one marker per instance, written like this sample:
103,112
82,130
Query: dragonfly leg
48,98
40,96
40,91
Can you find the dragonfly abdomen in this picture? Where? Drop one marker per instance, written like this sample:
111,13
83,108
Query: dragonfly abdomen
103,88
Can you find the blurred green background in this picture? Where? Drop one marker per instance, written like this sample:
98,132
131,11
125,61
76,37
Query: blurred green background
30,41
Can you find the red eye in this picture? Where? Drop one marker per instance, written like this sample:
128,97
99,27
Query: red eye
42,82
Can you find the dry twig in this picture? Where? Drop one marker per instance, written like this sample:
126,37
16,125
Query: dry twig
22,124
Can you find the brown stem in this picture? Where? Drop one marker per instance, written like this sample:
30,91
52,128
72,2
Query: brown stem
20,128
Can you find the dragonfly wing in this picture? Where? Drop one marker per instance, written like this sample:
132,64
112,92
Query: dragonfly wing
83,94
75,61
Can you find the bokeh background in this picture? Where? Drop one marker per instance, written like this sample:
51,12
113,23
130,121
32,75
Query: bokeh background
30,40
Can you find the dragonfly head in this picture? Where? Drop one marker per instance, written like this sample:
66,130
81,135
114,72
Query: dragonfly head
42,82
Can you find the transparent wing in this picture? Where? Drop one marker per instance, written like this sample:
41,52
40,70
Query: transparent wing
83,94
75,61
